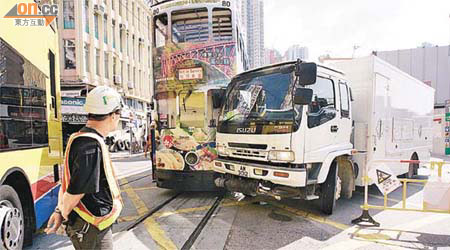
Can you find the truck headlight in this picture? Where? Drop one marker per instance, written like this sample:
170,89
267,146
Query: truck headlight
222,150
281,156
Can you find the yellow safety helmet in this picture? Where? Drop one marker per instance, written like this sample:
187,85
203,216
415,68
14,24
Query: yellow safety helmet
102,100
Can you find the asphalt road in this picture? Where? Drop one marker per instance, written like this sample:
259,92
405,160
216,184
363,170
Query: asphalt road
255,223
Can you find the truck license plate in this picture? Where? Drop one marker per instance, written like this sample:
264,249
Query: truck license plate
243,172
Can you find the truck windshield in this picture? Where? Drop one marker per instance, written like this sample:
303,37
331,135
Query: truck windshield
261,103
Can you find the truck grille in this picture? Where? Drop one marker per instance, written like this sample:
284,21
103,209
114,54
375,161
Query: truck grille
247,145
248,153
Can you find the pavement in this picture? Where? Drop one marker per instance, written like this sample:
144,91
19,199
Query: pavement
264,223
125,154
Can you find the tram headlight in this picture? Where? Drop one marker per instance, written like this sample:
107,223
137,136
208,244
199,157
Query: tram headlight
191,158
222,150
281,155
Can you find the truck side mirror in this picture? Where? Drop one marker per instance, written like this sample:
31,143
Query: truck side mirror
306,72
303,96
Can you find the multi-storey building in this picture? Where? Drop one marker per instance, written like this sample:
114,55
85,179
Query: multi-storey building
295,52
273,56
106,42
253,12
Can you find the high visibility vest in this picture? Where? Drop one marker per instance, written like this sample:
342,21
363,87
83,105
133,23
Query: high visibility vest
106,220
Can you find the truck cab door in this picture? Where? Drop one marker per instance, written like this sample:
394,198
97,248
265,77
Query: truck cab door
345,121
322,120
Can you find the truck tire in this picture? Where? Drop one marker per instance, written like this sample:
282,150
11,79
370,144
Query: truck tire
120,145
11,214
328,191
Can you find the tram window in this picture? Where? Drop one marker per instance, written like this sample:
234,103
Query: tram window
192,106
23,123
160,32
222,25
190,25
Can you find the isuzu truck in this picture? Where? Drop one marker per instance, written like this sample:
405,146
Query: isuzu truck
301,130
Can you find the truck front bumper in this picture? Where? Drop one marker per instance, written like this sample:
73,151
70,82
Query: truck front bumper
286,176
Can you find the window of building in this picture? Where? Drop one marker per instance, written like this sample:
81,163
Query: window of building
86,16
23,95
132,48
86,58
68,14
96,26
121,71
120,7
322,108
139,51
97,62
190,25
112,4
114,66
129,73
69,54
132,13
114,33
221,25
127,41
344,100
106,64
139,18
121,40
160,30
105,29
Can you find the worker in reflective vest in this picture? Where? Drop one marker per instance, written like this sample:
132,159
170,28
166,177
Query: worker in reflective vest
89,200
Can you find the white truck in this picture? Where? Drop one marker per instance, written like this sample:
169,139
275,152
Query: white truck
291,130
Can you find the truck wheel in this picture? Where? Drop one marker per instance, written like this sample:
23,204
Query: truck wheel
11,218
120,145
328,191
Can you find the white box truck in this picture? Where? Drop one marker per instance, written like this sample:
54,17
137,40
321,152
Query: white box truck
291,130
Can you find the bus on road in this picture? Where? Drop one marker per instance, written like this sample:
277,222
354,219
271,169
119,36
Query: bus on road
30,128
198,48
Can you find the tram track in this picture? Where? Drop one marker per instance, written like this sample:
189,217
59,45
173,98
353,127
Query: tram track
199,227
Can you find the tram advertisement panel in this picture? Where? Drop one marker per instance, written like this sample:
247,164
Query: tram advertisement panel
190,80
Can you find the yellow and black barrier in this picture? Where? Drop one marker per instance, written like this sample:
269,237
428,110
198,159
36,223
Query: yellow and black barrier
365,216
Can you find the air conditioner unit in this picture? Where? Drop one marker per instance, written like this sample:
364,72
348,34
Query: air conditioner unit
117,79
99,8
141,40
130,85
123,26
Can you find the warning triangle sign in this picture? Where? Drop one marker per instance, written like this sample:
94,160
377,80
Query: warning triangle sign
382,176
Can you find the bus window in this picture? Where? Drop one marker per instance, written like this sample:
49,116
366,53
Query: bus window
222,29
23,124
160,32
190,25
192,107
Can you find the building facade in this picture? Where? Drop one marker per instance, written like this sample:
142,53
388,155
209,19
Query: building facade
253,16
106,42
295,52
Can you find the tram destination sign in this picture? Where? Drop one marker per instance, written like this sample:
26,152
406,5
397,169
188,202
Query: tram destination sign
190,74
